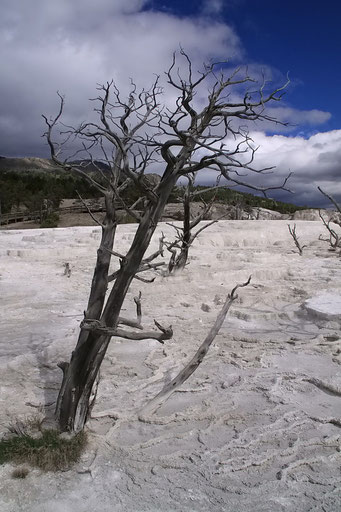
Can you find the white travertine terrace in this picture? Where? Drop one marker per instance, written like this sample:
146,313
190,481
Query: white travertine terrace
256,427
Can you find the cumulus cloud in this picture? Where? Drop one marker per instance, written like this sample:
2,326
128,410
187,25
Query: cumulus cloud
72,46
296,117
314,161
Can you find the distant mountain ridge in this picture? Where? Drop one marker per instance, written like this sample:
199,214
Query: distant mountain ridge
36,164
27,164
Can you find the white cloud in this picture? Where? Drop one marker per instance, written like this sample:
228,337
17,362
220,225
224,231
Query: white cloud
313,161
71,46
298,117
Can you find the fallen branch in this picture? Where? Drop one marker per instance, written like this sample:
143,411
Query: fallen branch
197,359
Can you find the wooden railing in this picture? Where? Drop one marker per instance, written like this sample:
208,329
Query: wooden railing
19,216
10,218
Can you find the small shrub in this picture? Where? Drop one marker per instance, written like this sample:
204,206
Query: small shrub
49,452
20,472
51,221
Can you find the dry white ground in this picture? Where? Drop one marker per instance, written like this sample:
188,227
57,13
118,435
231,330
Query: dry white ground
256,427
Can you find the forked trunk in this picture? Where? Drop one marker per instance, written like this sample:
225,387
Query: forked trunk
74,400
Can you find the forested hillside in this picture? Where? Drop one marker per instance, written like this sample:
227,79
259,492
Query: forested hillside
31,182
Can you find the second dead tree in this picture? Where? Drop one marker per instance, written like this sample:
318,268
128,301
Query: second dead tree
334,238
184,234
293,234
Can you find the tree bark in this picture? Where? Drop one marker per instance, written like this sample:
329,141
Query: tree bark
80,374
182,258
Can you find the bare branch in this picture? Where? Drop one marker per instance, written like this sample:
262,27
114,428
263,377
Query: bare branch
89,210
331,199
292,232
142,268
144,279
334,239
165,333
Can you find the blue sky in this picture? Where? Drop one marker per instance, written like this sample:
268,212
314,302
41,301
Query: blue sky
300,37
71,46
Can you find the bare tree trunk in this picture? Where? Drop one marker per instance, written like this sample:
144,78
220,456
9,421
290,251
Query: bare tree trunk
181,259
185,234
73,403
70,383
293,234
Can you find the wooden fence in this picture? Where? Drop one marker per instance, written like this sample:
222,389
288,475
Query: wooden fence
19,216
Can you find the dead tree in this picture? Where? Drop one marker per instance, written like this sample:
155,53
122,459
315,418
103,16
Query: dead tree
293,234
334,238
184,234
130,136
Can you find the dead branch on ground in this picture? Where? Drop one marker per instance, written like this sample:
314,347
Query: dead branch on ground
196,360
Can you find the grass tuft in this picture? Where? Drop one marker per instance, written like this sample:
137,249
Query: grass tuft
49,452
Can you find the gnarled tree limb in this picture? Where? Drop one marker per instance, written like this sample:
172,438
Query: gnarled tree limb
165,333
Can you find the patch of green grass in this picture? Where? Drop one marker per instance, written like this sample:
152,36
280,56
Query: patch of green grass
49,451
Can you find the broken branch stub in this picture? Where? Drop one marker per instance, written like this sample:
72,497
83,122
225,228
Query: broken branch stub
89,324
